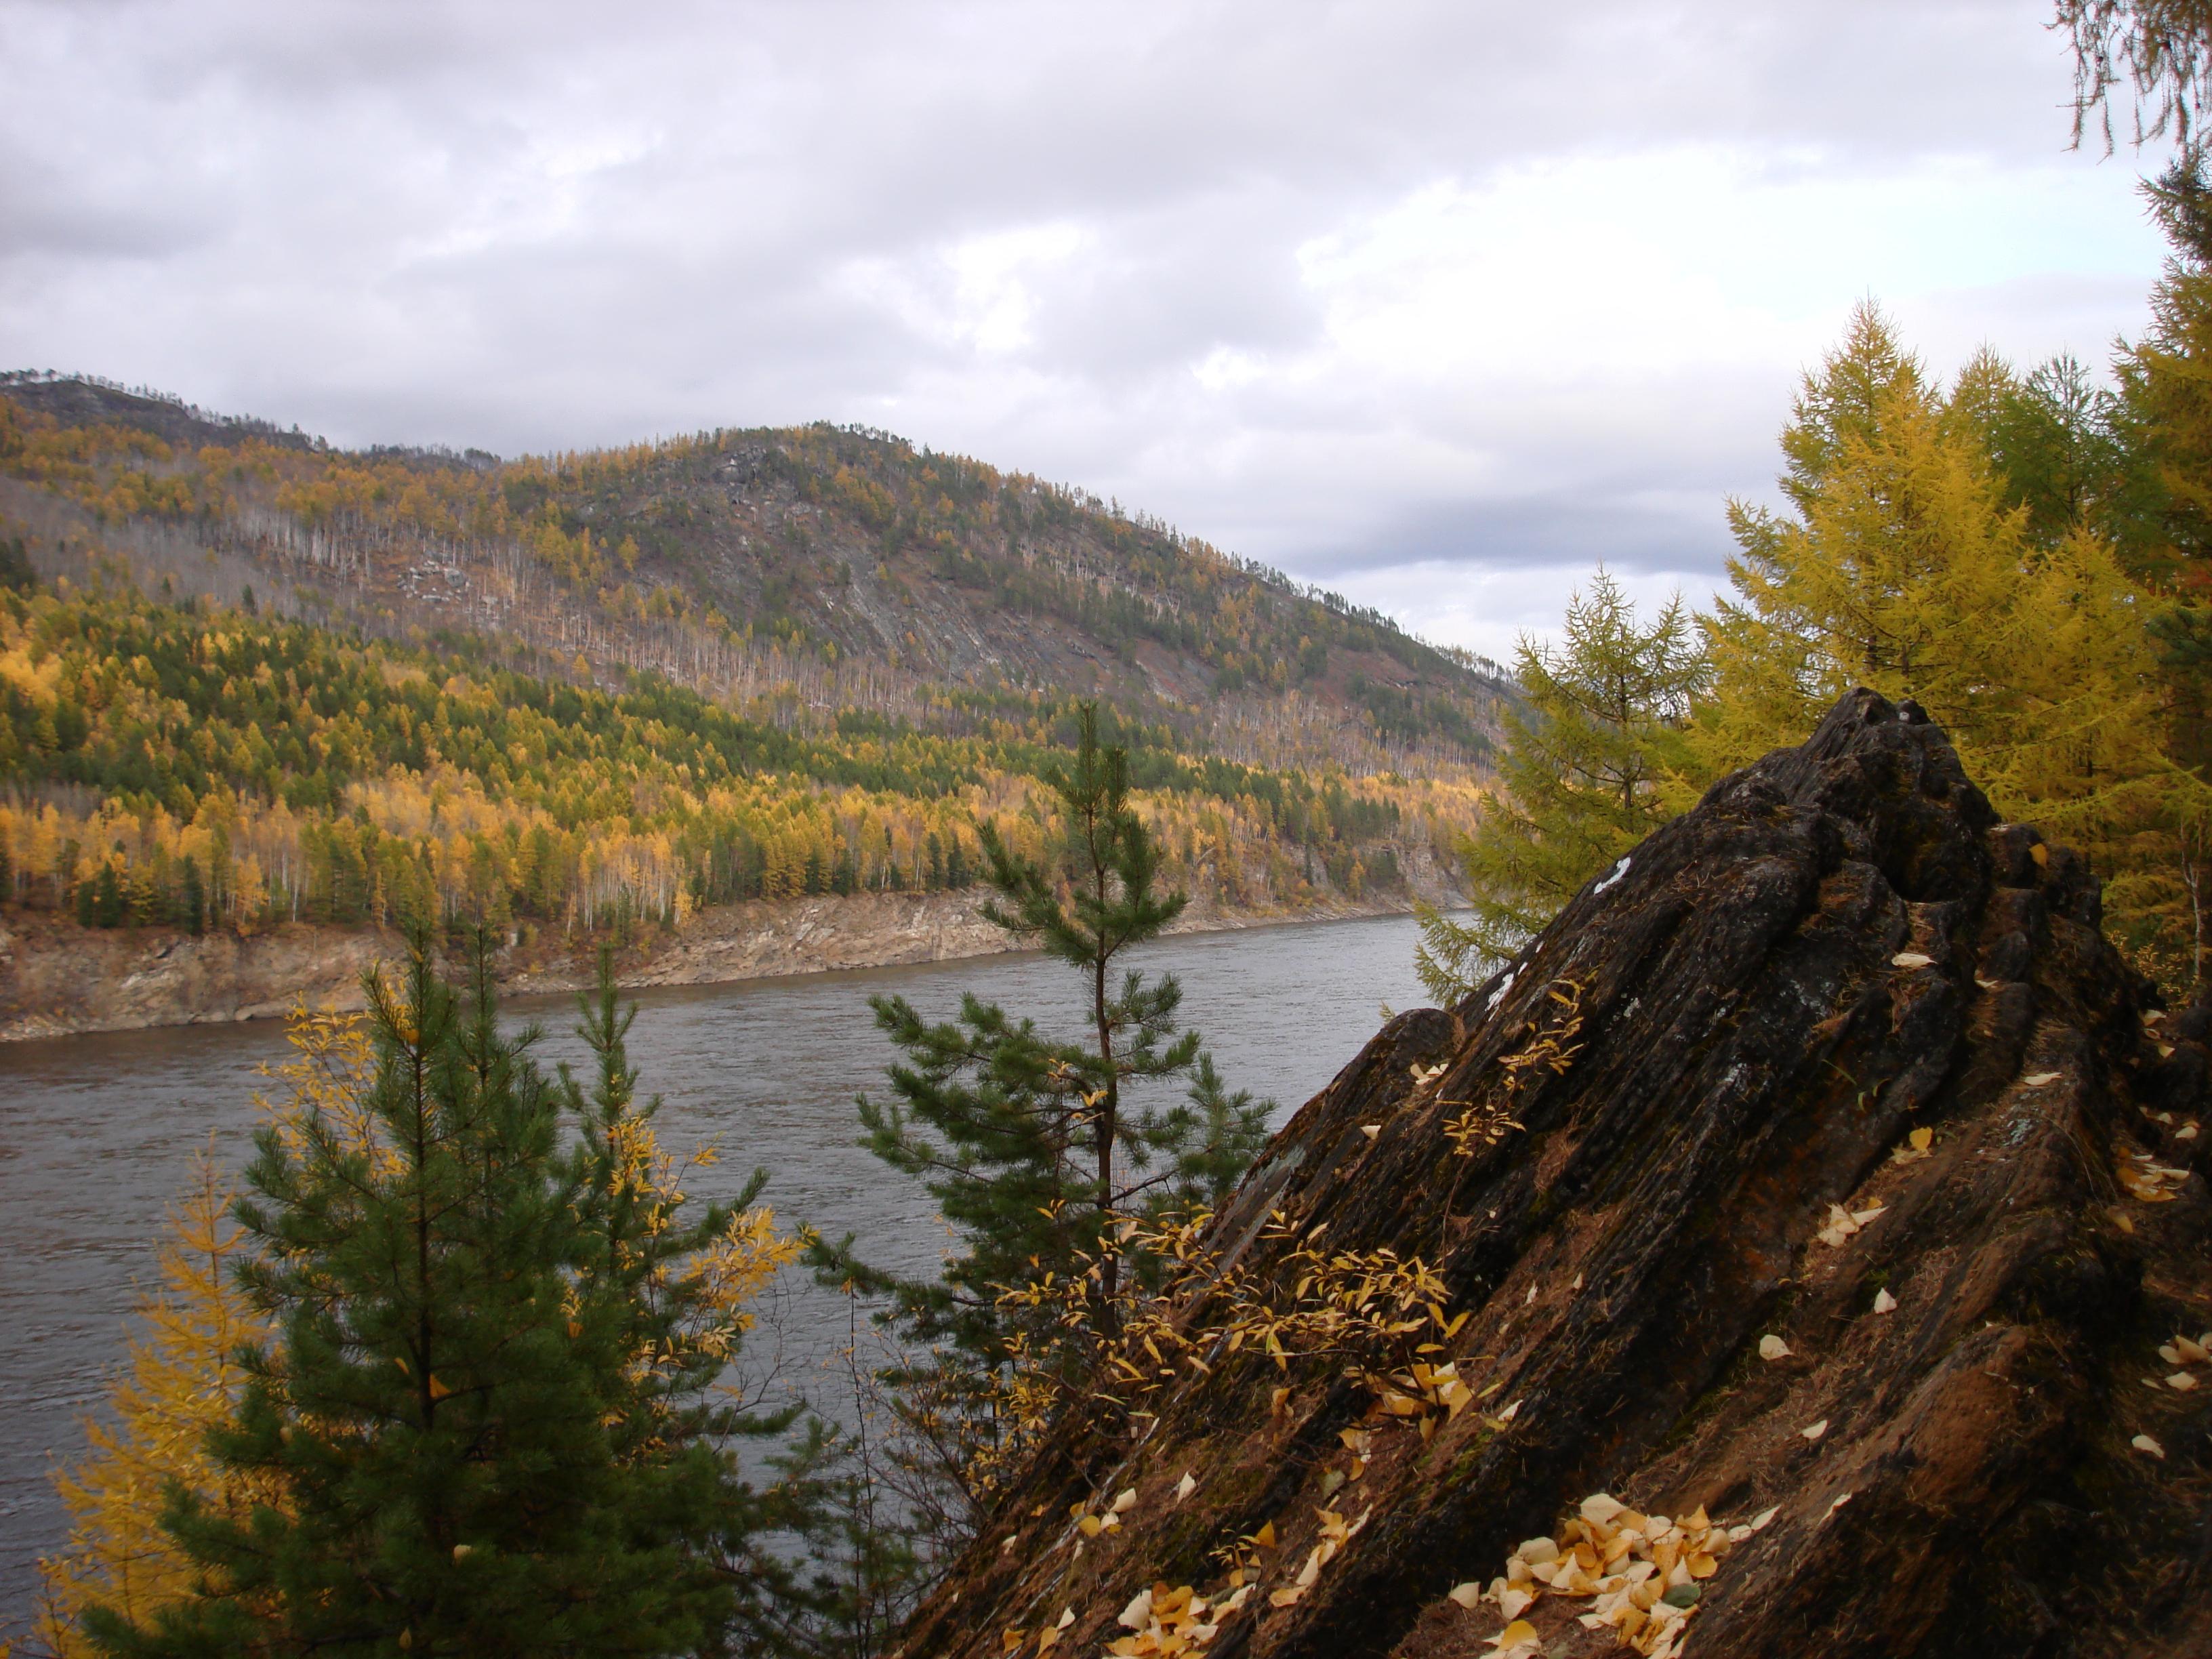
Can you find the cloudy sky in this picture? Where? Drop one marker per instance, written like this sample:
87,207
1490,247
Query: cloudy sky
1438,302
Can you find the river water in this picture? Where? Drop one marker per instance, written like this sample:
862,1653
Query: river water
98,1134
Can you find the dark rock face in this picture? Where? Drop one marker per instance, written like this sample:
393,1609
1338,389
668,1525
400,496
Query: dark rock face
1839,946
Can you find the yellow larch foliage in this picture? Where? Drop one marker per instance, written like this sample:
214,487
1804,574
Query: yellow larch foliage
179,1381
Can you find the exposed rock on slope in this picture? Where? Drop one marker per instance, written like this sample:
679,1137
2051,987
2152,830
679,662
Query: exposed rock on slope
58,979
1836,1059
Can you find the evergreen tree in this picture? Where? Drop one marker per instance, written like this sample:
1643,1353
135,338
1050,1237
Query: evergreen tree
2055,439
1033,1146
486,1410
17,573
1585,777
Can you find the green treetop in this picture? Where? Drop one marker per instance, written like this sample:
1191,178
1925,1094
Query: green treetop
486,1417
1034,1146
1584,776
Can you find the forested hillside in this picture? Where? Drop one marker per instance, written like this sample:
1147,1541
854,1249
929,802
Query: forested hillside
800,572
246,679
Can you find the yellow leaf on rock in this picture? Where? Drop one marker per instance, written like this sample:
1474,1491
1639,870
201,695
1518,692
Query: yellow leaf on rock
2038,1080
1910,959
1772,1347
2144,1443
1815,1431
1468,1595
1759,1523
1518,1634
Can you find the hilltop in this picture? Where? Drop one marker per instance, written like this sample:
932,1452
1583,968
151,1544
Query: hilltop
814,569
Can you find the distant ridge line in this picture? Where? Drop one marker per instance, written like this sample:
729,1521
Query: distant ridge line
480,459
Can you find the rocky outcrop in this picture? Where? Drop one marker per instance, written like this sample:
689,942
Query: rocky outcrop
1821,1173
58,979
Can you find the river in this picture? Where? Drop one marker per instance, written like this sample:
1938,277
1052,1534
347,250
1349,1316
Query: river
98,1132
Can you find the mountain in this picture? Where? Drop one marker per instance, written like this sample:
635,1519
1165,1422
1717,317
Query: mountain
249,681
807,570
1797,1249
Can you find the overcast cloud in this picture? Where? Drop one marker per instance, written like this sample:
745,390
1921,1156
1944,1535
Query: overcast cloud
1438,304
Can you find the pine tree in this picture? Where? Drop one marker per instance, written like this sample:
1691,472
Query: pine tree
486,1406
1584,776
1032,1146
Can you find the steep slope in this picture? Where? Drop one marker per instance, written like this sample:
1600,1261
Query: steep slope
815,569
1836,1059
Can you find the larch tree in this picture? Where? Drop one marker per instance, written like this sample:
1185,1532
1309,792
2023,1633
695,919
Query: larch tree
180,1380
2160,50
1593,767
1903,567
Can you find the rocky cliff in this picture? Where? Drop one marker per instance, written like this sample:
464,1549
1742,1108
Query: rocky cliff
1800,1249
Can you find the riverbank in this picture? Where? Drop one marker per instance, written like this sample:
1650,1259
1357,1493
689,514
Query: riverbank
59,980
